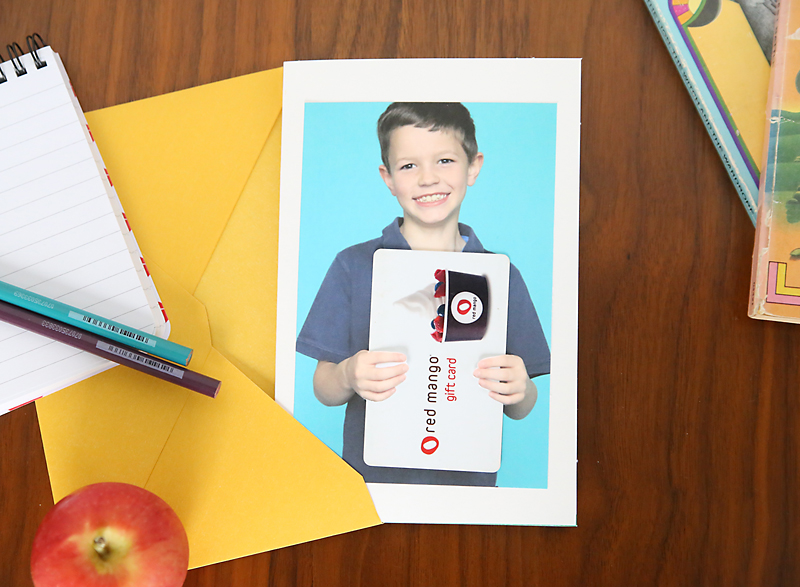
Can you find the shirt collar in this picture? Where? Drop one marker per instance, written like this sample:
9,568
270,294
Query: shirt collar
394,239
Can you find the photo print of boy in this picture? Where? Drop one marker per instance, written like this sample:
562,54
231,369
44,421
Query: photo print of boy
430,158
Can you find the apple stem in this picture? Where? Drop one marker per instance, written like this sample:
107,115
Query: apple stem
101,548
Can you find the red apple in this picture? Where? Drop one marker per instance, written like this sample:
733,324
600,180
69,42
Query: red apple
110,535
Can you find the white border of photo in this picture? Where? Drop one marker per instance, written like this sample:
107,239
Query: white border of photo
465,80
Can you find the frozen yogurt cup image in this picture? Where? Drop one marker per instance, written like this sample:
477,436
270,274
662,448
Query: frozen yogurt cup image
463,311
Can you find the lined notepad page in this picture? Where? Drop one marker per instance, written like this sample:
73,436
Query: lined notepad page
62,231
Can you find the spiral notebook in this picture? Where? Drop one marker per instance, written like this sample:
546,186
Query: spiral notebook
63,233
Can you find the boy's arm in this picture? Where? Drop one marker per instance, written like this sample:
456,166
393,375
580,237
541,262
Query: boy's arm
335,383
507,380
519,410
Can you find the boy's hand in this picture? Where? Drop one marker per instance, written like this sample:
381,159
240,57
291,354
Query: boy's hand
505,377
371,382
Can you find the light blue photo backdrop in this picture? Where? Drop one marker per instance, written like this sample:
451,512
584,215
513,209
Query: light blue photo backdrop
510,207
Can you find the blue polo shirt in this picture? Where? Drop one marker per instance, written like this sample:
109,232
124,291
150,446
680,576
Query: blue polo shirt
337,327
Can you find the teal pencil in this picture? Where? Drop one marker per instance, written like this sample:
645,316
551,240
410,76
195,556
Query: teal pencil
159,347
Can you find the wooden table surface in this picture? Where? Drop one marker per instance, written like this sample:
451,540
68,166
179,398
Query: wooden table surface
688,432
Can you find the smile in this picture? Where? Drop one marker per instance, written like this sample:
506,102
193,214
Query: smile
431,198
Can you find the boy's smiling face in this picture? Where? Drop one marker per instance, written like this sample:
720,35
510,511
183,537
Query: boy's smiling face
429,173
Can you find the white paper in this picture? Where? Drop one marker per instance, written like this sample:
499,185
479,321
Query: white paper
500,81
62,234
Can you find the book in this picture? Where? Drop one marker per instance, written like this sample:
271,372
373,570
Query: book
722,50
775,287
63,232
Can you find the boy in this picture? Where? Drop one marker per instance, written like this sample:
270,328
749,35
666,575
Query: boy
430,156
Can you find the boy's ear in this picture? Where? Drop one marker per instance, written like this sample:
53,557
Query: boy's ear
474,168
386,177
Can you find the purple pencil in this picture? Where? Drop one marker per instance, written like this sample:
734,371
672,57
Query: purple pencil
108,349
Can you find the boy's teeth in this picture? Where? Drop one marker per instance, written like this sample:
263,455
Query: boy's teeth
432,198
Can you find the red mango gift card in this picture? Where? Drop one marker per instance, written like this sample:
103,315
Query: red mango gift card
445,312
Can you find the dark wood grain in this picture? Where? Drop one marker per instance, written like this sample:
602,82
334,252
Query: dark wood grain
689,431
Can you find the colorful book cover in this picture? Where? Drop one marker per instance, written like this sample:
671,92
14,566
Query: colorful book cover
775,293
722,49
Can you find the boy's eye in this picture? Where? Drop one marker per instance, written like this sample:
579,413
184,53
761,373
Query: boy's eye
446,160
407,166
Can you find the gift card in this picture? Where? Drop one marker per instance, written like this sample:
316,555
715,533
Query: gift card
445,312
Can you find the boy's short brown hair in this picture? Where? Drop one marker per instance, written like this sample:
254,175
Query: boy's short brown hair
452,116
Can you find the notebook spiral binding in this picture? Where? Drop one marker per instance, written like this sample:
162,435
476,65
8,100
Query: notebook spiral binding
15,52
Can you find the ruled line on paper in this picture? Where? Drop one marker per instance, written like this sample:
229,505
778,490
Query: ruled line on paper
117,295
25,94
32,116
41,155
106,278
47,132
144,327
46,174
28,96
26,270
50,236
56,213
44,342
48,195
64,252
41,368
88,285
92,262
14,335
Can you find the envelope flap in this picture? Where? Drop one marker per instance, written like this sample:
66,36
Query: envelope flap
240,290
245,477
186,156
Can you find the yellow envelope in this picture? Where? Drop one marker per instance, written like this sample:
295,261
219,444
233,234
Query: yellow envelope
198,175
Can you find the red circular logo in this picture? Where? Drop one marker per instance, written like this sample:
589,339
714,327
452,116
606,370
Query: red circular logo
466,307
429,445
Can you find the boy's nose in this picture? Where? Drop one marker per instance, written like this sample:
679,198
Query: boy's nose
428,176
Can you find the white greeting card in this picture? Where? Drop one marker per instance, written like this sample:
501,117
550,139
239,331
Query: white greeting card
336,211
